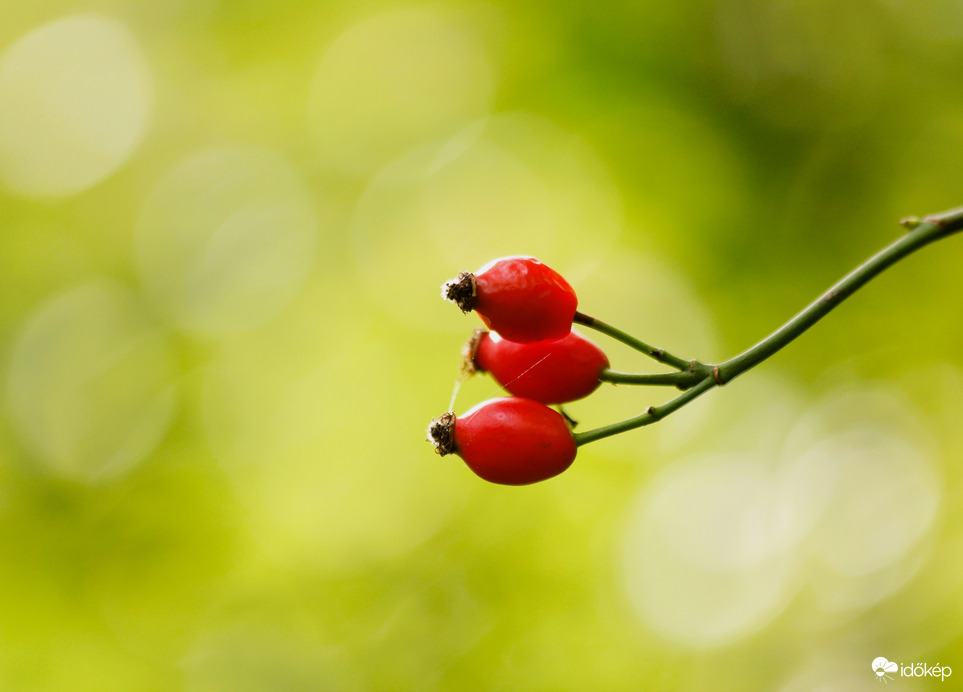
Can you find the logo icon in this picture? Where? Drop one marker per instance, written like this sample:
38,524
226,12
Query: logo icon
882,667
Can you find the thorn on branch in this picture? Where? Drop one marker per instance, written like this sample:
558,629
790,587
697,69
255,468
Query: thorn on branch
910,222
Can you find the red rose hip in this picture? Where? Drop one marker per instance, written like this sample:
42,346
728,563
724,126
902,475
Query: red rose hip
553,371
518,297
510,440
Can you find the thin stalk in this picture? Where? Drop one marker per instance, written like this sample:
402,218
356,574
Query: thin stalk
658,354
922,233
683,379
932,228
652,414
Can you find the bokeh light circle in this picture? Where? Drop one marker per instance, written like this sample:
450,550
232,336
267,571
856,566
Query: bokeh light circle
884,496
393,80
76,97
654,301
226,239
508,185
261,656
704,563
862,460
323,453
92,382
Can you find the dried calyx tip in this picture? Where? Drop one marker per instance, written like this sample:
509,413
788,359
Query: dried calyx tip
468,352
460,291
441,433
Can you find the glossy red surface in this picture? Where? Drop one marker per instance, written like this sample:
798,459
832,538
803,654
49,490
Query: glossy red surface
524,300
514,441
552,371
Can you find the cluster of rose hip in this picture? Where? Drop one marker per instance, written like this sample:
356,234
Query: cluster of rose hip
533,353
536,356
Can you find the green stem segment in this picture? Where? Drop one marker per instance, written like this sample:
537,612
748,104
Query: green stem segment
683,379
930,229
658,354
653,414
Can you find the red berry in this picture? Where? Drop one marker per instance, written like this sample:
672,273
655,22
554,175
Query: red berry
553,371
518,297
510,440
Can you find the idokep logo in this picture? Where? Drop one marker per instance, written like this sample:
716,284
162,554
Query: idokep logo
883,668
886,670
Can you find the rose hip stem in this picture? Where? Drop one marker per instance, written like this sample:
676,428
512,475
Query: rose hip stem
658,354
921,233
684,379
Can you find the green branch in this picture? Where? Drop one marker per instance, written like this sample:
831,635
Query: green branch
683,379
658,354
922,233
932,228
652,415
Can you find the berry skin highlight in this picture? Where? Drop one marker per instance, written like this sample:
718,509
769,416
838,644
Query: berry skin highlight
552,371
518,297
509,440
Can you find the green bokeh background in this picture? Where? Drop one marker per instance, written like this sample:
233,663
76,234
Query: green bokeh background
221,343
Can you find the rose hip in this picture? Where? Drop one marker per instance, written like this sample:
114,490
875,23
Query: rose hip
518,297
509,440
553,371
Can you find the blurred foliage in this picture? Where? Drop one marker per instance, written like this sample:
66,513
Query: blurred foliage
222,230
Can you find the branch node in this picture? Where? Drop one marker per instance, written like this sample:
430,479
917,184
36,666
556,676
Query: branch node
910,222
717,376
